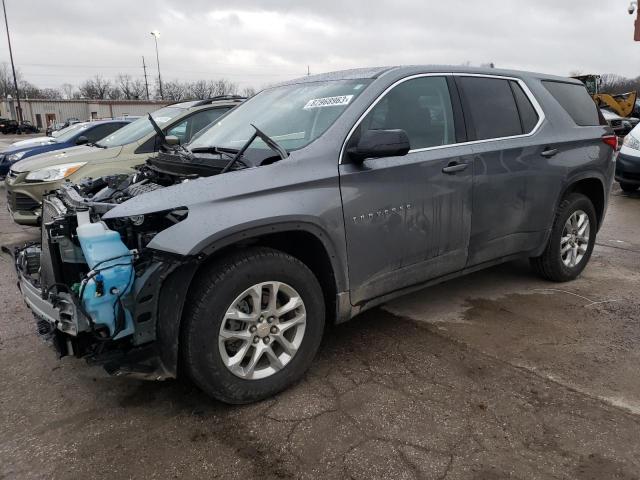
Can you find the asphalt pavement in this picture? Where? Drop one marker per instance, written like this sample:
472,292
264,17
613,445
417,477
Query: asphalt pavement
496,375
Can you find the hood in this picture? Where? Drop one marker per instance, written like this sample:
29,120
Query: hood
82,153
31,142
205,190
32,150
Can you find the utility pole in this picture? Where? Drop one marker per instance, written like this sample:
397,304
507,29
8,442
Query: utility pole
308,71
155,35
146,83
13,68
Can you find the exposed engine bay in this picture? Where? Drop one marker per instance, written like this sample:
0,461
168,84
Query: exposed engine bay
93,285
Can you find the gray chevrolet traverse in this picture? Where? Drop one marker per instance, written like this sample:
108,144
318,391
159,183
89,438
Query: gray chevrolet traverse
309,203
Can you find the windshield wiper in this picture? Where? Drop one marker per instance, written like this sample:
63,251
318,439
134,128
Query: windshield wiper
179,149
229,152
272,144
94,144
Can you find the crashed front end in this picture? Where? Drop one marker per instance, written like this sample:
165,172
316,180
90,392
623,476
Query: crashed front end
95,289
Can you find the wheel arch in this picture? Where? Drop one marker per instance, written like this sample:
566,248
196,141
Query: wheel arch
594,189
302,240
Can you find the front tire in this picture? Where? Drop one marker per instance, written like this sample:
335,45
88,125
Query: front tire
628,188
253,326
571,242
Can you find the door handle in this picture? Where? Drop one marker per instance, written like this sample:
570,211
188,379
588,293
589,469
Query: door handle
454,167
549,152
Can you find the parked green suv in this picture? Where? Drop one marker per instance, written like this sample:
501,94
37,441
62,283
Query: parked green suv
30,179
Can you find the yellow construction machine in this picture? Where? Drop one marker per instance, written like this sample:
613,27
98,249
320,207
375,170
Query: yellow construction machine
624,104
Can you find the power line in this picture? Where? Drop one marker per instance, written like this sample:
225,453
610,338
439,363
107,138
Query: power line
192,72
67,65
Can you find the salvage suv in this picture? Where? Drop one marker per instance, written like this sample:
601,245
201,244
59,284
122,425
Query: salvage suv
312,202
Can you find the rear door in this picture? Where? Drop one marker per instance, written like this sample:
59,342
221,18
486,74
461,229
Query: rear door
502,124
408,218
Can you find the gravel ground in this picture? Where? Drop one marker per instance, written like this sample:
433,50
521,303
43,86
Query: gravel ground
496,375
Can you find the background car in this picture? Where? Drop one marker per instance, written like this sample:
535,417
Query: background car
628,162
56,127
77,134
13,127
620,125
8,127
119,152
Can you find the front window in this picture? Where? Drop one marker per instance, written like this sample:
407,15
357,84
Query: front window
421,107
293,115
140,128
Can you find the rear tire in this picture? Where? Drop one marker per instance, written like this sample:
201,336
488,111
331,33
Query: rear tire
230,351
628,188
568,249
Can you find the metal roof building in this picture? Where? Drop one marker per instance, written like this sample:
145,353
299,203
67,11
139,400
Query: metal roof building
45,112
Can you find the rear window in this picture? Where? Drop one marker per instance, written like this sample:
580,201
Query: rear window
492,107
528,115
576,101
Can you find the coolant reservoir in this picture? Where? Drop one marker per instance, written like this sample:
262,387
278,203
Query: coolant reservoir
113,261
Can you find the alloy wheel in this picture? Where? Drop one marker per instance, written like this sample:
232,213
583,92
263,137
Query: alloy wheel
575,238
262,330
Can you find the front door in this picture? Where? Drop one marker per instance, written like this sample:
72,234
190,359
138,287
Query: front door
408,218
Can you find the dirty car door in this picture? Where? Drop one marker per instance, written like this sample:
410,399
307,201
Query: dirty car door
501,120
408,218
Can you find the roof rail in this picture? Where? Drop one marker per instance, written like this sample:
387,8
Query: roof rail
219,98
207,101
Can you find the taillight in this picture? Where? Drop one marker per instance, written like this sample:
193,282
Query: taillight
611,140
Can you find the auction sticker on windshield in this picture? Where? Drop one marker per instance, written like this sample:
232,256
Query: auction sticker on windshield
328,102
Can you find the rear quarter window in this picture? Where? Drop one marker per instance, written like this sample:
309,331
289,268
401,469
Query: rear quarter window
576,101
528,115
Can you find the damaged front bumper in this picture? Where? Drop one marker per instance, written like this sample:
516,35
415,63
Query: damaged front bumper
49,274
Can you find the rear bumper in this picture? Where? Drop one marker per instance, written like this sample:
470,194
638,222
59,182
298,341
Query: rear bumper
628,169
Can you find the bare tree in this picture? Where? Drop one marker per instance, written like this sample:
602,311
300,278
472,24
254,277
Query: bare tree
67,90
50,94
96,88
199,89
174,91
223,87
129,88
248,92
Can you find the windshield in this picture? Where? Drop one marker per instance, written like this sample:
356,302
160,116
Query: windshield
71,131
70,128
140,128
292,115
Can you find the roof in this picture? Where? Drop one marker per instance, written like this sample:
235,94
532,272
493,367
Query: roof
376,72
208,101
352,74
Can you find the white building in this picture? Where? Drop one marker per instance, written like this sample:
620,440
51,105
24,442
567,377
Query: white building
43,113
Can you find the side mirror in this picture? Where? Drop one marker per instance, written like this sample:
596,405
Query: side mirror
380,143
81,140
172,140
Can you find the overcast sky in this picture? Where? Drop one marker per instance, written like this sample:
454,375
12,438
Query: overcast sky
256,43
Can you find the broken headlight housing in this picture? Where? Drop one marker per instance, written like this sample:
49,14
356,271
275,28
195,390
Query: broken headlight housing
138,230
